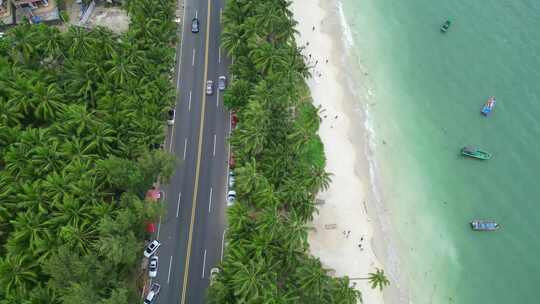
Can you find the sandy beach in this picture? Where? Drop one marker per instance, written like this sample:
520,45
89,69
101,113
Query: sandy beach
344,231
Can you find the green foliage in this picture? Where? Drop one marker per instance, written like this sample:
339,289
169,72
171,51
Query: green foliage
79,113
279,166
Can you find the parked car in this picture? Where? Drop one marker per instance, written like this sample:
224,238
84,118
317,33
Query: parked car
231,197
231,179
222,83
213,274
234,120
209,87
153,266
171,115
151,248
152,294
232,162
194,25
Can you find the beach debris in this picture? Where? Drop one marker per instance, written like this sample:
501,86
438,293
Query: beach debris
330,226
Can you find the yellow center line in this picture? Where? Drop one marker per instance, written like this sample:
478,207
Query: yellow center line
199,151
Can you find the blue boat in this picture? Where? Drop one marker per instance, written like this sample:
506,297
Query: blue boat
488,107
484,225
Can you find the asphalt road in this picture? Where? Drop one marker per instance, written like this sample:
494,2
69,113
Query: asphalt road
192,230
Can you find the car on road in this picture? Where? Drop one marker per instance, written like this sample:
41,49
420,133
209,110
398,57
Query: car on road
231,179
153,266
152,294
151,248
194,25
231,197
213,274
171,115
209,87
222,83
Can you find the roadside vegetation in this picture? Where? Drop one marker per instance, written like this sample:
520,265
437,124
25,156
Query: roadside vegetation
279,166
81,117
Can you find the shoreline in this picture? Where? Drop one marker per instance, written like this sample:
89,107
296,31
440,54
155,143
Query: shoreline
351,204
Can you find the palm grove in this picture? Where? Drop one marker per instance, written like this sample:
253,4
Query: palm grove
80,113
280,165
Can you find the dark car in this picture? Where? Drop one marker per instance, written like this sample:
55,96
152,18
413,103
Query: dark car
195,25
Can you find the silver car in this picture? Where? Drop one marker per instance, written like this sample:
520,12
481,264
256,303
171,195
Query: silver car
222,83
153,266
209,87
231,179
152,294
231,197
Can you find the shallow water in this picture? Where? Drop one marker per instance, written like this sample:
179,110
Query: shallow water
426,91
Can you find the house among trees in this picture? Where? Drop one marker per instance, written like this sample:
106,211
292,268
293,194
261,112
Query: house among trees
35,11
6,13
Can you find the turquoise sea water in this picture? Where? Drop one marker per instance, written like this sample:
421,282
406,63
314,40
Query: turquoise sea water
426,93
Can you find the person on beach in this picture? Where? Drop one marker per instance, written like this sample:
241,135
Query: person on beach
314,27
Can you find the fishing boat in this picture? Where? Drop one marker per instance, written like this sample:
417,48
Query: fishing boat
475,153
488,107
445,26
484,225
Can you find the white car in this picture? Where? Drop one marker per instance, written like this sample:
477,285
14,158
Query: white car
213,274
231,197
231,179
151,248
152,294
153,266
222,83
209,87
171,114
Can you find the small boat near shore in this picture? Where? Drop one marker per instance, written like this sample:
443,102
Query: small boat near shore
475,153
445,26
484,225
488,107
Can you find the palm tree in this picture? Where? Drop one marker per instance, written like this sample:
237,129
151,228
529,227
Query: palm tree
376,279
23,42
251,281
18,274
268,58
51,42
80,42
46,101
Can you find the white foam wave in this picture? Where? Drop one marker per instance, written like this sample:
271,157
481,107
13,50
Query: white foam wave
347,33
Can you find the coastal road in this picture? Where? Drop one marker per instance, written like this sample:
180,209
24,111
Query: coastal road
192,229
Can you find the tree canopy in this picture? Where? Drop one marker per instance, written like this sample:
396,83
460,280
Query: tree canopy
80,113
279,165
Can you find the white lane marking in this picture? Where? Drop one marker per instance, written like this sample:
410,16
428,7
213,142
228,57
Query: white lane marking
222,244
193,59
204,263
219,55
196,14
210,201
189,104
171,139
185,148
214,153
220,14
178,204
158,228
170,266
217,99
179,60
